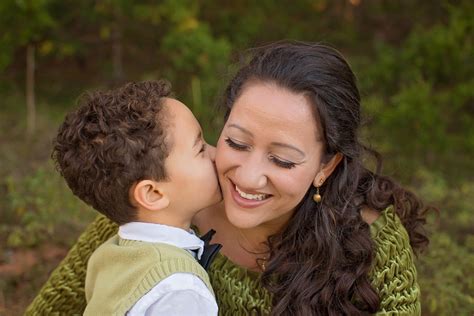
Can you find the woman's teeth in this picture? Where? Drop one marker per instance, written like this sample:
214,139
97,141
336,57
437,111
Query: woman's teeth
248,196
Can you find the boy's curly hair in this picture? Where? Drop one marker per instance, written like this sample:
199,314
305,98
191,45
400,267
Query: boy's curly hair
112,140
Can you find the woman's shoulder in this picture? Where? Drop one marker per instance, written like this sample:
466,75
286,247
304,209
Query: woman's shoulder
386,226
63,293
391,240
393,271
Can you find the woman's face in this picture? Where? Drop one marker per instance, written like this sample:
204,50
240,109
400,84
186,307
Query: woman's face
268,155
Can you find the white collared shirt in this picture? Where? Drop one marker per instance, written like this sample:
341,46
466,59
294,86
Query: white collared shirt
180,293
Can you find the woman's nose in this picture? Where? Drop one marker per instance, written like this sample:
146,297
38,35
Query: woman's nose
250,174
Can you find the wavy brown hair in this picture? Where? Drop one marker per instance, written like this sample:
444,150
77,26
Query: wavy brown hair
319,263
112,140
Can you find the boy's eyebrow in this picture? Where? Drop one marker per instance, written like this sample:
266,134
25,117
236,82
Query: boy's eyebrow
198,138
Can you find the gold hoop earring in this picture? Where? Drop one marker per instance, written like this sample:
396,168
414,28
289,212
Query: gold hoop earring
317,196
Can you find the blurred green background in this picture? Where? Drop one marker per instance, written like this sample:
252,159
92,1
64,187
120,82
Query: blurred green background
413,59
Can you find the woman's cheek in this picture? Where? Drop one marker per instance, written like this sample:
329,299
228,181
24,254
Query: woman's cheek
222,151
295,183
226,158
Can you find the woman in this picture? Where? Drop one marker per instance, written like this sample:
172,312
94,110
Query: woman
306,229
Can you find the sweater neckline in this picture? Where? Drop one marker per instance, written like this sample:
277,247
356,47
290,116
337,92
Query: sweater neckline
375,228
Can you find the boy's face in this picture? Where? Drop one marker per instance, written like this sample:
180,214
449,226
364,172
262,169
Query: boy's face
190,165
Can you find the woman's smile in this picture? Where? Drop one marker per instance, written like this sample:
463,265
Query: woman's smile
249,196
246,199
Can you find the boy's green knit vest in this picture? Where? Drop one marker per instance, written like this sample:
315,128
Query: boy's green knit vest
122,271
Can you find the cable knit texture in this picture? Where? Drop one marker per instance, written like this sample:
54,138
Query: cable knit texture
238,290
393,273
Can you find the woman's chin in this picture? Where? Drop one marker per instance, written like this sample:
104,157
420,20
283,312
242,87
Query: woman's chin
241,219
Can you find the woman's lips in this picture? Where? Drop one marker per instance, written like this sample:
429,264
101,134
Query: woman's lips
243,202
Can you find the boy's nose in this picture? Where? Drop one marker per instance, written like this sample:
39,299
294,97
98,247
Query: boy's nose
212,152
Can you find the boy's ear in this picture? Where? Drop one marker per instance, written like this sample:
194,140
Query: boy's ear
149,195
327,169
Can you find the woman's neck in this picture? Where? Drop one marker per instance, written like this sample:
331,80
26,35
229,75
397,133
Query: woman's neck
228,236
244,247
253,240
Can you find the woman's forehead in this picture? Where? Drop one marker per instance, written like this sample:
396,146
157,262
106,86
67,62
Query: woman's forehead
268,107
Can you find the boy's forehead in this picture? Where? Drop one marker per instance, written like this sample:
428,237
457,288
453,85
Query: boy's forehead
181,117
176,107
171,102
171,107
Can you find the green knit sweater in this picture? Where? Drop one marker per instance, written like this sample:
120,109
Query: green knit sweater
122,271
237,290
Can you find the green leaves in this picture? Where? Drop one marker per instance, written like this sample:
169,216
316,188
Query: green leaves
422,94
37,205
449,287
23,22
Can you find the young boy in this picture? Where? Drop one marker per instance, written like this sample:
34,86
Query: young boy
139,157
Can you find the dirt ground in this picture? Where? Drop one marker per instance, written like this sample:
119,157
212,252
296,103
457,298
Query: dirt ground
24,271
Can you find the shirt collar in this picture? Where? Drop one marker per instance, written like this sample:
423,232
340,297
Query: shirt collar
158,233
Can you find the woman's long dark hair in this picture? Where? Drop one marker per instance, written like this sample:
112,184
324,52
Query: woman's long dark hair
319,263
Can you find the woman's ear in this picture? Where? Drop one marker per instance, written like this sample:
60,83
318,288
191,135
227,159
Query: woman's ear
149,195
327,169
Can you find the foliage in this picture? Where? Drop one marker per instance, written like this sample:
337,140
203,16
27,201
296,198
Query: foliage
419,103
195,59
40,207
445,268
36,204
22,22
447,291
421,96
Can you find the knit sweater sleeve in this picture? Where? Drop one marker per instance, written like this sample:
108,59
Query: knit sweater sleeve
393,273
63,293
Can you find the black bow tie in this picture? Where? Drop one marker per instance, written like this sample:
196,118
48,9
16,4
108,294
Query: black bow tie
210,250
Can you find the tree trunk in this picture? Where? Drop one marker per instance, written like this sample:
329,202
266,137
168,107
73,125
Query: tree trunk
30,90
117,56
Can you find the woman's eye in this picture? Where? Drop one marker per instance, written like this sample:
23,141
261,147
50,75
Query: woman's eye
235,145
282,163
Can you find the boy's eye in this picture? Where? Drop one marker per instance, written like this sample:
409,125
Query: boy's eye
234,145
203,148
282,163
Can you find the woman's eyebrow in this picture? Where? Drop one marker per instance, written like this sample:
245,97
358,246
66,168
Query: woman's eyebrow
290,147
241,129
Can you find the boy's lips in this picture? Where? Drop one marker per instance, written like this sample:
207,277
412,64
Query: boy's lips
247,200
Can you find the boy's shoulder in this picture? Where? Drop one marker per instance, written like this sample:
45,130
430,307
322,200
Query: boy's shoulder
139,251
125,262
